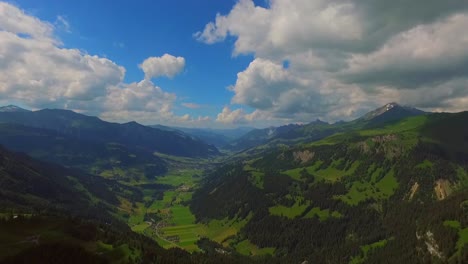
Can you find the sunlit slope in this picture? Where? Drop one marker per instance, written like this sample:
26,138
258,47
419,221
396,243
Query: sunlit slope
365,192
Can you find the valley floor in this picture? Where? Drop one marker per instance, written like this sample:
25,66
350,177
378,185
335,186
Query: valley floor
165,215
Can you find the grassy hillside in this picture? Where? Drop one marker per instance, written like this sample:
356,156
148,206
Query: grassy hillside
357,196
394,192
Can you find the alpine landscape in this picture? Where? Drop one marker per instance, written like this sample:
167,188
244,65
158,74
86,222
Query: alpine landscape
342,136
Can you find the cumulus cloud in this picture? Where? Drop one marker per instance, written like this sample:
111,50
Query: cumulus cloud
166,65
229,116
38,72
15,21
141,96
419,56
345,56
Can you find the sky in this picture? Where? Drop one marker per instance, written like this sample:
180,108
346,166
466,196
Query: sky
212,63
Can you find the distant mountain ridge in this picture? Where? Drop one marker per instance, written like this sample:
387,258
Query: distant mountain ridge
132,134
316,130
93,157
12,108
218,137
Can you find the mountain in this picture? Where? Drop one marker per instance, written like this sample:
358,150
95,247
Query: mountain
100,158
396,192
51,214
284,135
393,191
32,186
12,109
390,112
217,137
131,135
293,134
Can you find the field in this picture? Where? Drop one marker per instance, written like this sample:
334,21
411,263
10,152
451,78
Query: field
373,189
323,215
169,220
256,177
248,249
290,212
331,173
367,249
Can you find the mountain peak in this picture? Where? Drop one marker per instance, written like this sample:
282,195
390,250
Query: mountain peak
12,108
391,111
391,105
318,122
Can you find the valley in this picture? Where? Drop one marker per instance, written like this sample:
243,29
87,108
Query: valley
234,132
365,191
165,216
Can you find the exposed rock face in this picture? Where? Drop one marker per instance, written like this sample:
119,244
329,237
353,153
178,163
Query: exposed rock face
382,144
413,190
432,246
442,189
384,138
303,156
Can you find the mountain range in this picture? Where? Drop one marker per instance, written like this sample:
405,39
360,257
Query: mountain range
93,129
316,130
388,187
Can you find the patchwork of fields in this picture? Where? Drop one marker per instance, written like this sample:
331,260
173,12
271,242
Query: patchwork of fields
171,223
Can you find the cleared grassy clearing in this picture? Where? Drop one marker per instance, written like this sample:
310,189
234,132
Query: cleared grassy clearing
331,173
246,248
180,177
256,177
381,190
366,250
220,230
323,215
425,164
290,212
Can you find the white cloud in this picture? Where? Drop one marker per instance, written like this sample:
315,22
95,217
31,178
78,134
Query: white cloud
263,84
344,56
166,65
15,21
421,55
229,116
142,96
285,27
37,72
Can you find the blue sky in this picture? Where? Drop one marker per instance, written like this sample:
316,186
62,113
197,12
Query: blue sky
127,32
218,63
